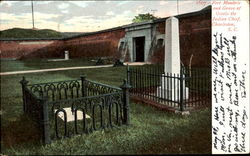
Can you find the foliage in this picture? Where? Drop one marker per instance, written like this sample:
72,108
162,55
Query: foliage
29,33
143,18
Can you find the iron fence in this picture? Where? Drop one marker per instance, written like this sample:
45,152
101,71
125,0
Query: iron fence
185,91
66,108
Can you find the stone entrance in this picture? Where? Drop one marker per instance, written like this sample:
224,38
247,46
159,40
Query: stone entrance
138,40
139,49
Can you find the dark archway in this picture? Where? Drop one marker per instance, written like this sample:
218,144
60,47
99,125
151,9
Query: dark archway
139,49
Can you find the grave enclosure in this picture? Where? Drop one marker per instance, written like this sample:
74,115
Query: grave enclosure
151,85
66,108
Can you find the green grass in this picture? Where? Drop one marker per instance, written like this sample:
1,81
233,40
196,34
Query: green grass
151,131
35,64
29,33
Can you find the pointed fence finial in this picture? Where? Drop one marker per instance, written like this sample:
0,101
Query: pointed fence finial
24,81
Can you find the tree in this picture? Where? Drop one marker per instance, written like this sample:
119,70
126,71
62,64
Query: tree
143,18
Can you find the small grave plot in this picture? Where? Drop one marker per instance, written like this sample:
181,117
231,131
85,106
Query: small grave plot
67,108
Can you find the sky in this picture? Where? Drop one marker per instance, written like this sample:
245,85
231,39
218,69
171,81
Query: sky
87,16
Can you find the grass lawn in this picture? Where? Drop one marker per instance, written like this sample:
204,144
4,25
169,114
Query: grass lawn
34,64
151,131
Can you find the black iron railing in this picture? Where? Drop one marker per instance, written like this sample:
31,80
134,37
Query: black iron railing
65,108
188,89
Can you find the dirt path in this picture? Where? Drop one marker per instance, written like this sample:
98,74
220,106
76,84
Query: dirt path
53,69
67,68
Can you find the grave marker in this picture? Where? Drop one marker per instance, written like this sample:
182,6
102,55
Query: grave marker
172,62
71,115
66,54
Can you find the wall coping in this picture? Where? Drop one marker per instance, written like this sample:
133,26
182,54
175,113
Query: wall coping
29,39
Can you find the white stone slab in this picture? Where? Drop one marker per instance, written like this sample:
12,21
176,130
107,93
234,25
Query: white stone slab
66,53
70,115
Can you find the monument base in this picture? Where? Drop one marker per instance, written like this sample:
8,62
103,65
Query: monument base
170,89
171,94
182,112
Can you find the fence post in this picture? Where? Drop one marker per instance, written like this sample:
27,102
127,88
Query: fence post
84,88
45,122
181,90
125,87
128,74
24,83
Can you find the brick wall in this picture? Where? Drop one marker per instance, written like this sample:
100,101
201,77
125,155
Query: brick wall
103,44
95,45
22,49
195,38
55,50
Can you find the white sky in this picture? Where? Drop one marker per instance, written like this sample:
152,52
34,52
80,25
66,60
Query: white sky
86,16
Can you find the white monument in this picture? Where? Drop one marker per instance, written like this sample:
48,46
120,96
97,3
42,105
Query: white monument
66,54
172,63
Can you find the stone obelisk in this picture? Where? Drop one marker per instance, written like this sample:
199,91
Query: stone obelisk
172,62
172,46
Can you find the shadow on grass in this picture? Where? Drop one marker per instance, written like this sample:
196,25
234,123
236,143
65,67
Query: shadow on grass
48,64
36,64
75,62
194,139
18,132
194,143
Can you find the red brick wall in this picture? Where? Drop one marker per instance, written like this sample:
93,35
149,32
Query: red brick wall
54,50
23,49
94,45
161,27
195,38
97,45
